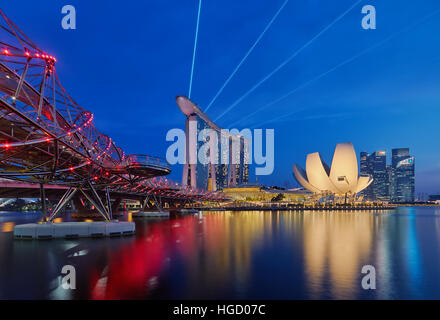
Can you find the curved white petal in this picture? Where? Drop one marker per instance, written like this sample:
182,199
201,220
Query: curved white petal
317,173
344,169
301,177
363,182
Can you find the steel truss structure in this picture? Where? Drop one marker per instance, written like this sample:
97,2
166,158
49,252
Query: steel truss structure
47,138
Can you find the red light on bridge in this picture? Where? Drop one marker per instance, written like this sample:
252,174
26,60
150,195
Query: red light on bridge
96,178
27,54
6,51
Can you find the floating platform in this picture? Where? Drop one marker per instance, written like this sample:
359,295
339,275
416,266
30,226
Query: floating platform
188,211
154,214
73,230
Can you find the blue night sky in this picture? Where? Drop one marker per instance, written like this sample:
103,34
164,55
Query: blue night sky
127,60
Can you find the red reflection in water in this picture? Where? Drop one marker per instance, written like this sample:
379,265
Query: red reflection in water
136,266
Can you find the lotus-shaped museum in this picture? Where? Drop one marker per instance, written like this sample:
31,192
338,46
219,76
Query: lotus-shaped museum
339,179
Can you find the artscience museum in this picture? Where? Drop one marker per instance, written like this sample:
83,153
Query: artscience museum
341,179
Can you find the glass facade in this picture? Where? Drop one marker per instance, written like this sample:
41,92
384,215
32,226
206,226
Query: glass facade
227,167
202,167
366,169
403,175
381,184
393,182
239,161
375,165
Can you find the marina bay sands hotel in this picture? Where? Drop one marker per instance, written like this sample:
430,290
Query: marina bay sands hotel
214,158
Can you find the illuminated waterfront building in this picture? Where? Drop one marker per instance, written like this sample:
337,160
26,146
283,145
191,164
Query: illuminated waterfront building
259,193
366,169
380,183
403,175
341,179
375,165
238,172
393,182
224,163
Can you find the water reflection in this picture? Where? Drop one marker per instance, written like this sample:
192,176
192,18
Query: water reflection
7,227
336,244
204,250
236,255
412,253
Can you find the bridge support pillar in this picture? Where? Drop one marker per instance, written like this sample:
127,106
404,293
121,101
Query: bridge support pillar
43,202
109,205
116,204
92,196
95,200
158,203
145,203
62,203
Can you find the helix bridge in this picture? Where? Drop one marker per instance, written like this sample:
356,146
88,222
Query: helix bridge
47,138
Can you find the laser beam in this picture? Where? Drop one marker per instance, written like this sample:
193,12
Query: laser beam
195,49
246,55
285,62
356,56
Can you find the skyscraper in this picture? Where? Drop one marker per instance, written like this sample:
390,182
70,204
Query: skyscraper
375,164
403,175
380,175
366,169
389,180
393,182
363,161
223,163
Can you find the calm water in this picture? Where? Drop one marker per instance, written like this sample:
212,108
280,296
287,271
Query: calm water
240,255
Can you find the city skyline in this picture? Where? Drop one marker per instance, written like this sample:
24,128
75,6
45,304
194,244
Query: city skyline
390,90
394,179
206,152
